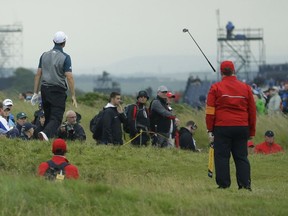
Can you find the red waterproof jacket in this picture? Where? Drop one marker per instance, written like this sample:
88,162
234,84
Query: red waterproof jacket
265,148
230,103
71,171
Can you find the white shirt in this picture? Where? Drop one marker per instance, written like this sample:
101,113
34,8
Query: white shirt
4,127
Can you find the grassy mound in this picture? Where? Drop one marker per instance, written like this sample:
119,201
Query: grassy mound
139,181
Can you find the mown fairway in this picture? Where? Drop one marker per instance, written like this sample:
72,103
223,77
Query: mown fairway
139,181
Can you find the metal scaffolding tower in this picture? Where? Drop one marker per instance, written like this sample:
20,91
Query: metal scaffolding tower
10,48
245,47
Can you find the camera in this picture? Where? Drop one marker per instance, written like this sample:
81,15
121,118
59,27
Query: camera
69,128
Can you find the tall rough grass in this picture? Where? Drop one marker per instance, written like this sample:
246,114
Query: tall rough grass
139,181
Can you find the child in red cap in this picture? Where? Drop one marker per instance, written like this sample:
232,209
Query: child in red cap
59,149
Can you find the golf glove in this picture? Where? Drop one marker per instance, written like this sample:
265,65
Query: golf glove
34,99
211,137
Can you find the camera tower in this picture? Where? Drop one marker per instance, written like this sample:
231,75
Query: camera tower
245,47
10,48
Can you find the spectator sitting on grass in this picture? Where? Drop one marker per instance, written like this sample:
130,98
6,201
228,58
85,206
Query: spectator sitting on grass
186,137
59,149
27,131
268,146
21,120
71,129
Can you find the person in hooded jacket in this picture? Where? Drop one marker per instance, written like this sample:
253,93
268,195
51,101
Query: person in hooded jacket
138,120
186,137
112,119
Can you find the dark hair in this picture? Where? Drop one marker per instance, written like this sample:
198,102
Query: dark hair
113,95
1,105
190,123
59,152
60,44
23,94
227,72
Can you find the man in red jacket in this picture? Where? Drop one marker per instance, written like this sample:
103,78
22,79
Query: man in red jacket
59,149
230,121
269,146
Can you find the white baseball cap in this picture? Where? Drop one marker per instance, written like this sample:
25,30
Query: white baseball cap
7,102
60,37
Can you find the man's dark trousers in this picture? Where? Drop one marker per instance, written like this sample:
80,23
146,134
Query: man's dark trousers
231,139
53,102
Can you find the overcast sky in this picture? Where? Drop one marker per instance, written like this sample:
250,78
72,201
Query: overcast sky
104,32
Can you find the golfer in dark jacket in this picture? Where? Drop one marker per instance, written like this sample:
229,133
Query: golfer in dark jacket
186,136
112,118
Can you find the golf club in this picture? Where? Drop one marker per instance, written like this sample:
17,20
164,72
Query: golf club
186,30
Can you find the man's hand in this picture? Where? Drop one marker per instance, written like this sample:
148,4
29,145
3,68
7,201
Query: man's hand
211,137
74,102
34,99
120,109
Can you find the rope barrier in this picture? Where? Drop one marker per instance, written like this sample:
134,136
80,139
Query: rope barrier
148,132
137,135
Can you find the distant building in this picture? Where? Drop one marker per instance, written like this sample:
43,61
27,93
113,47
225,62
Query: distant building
104,84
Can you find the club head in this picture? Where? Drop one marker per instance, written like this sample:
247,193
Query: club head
185,30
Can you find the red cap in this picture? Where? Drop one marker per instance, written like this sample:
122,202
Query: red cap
250,144
170,95
59,144
226,67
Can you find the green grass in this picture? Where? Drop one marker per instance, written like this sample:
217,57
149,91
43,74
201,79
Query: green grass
135,181
139,181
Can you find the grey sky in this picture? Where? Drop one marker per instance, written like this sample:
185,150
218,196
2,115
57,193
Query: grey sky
103,32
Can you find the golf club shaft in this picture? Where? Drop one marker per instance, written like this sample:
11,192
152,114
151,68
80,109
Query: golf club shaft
186,30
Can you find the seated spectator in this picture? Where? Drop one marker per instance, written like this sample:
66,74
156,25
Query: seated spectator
71,129
40,124
36,119
29,95
22,96
21,120
5,130
268,146
27,131
186,136
9,103
6,115
59,149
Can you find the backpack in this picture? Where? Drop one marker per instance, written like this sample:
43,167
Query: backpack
96,125
55,172
127,110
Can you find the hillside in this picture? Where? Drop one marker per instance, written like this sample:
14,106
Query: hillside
138,181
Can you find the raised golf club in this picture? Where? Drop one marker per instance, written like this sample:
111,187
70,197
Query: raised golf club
186,30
